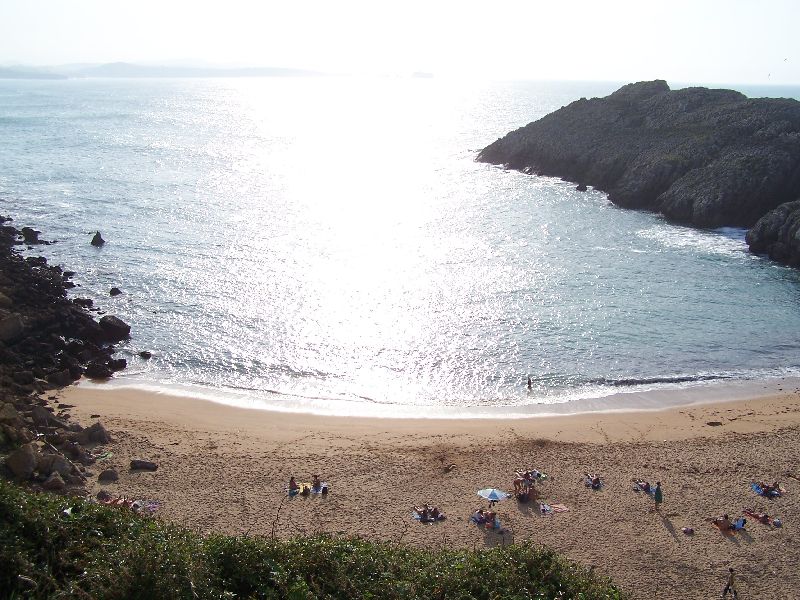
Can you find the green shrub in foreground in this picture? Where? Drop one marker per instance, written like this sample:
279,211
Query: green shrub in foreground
94,551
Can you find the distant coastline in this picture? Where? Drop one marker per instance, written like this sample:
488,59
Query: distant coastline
132,70
22,73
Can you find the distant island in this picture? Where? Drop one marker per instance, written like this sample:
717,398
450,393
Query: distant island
704,157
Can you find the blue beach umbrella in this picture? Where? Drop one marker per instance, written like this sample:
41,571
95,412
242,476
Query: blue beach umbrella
493,494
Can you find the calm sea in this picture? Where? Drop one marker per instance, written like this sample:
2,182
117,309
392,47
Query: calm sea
330,245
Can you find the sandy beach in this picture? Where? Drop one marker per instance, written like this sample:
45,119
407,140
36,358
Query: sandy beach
225,469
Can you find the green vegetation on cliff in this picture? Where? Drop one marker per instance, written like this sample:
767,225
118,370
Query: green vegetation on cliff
60,547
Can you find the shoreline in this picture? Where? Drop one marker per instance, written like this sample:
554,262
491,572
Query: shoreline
663,423
627,400
225,469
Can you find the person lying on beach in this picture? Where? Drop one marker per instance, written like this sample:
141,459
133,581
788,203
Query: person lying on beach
770,490
758,516
593,481
479,516
723,523
726,526
644,486
489,518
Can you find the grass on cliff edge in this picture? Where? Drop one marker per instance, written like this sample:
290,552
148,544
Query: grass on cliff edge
106,552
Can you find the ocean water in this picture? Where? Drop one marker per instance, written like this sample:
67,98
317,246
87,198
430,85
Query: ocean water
331,245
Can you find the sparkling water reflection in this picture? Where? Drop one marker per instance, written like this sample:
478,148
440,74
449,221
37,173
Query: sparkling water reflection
307,242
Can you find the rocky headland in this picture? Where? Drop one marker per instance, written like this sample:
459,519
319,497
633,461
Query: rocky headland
47,341
704,157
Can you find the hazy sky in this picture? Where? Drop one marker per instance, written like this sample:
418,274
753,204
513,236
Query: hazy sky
715,41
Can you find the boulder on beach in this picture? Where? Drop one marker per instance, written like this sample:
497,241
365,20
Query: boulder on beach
108,476
98,369
94,434
54,482
9,414
54,463
11,328
143,465
22,461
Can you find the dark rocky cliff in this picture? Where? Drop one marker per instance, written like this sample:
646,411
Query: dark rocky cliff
705,157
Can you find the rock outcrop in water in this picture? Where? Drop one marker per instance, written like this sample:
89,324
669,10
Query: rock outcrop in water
777,234
704,157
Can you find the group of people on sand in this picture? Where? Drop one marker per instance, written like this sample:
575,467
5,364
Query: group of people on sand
653,490
524,481
724,523
485,517
317,486
428,513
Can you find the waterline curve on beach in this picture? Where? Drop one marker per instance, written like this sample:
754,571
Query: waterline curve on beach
647,397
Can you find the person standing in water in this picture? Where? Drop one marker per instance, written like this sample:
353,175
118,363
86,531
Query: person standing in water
530,383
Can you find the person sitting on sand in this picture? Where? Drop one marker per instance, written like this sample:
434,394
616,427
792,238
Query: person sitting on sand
424,512
771,490
644,486
479,516
316,484
293,487
489,518
436,514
